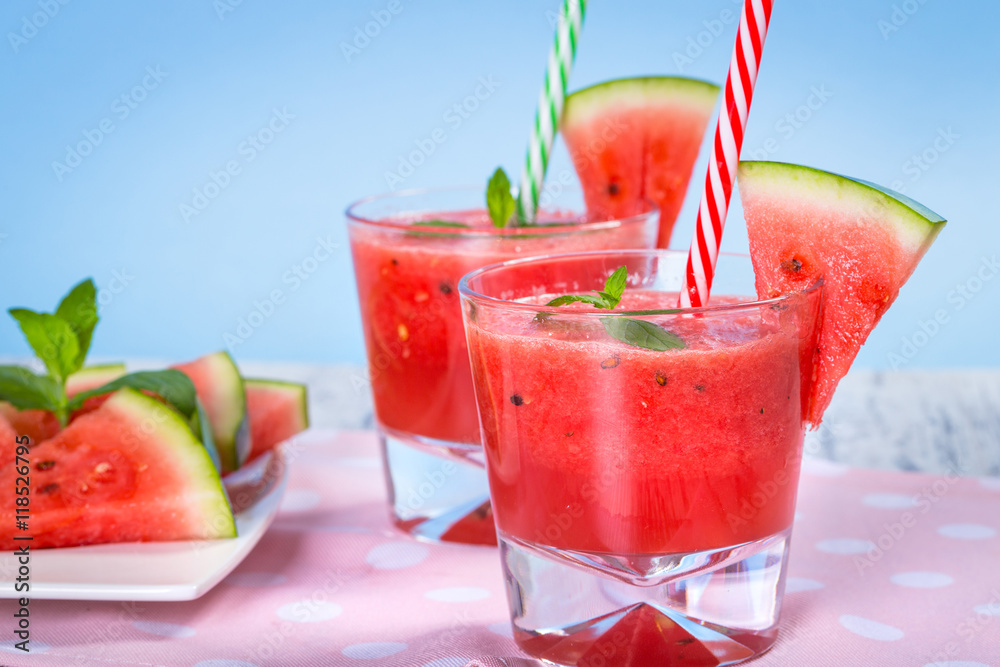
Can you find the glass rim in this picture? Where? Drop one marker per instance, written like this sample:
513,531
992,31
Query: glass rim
353,217
476,297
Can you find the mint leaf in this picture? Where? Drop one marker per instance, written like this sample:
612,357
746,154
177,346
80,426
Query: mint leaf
438,223
595,301
640,333
53,340
614,286
499,202
27,391
79,309
607,299
170,384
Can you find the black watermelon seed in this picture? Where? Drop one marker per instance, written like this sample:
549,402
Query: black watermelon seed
516,399
569,434
699,387
794,265
661,379
395,262
611,361
48,488
44,465
613,189
445,288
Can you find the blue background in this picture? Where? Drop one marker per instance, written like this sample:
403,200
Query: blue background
894,76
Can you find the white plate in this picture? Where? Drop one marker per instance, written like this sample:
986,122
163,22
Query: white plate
157,571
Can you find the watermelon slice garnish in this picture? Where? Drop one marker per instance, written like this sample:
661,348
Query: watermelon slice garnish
129,471
278,410
862,239
636,140
220,388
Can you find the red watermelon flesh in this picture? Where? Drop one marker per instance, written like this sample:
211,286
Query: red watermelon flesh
128,471
636,140
38,425
278,410
862,240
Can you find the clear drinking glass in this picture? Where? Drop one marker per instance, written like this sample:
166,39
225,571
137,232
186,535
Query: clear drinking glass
643,497
407,278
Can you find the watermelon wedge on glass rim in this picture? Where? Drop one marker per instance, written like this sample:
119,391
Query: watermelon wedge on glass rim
862,239
636,140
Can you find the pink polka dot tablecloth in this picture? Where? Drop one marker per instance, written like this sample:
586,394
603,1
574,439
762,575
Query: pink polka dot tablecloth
886,569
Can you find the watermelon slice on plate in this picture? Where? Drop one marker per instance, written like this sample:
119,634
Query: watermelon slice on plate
220,388
636,140
130,471
278,410
862,239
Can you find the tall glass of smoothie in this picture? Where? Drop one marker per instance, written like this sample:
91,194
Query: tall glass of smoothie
642,461
410,249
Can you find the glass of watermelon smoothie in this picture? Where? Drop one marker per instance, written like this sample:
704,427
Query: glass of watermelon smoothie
642,461
407,275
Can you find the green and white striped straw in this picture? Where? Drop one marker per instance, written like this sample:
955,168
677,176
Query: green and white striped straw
550,105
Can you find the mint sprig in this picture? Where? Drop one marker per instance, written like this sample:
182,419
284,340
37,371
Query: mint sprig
500,203
608,298
61,341
634,332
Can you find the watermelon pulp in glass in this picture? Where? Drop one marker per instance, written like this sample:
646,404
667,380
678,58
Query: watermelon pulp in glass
407,280
597,446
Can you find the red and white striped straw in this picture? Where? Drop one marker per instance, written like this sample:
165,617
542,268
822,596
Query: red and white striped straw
742,76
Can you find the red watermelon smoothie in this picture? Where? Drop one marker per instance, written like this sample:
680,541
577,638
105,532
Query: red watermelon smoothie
640,494
407,274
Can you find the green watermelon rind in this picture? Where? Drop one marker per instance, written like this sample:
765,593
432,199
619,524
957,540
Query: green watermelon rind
90,377
230,428
170,431
295,389
638,91
914,225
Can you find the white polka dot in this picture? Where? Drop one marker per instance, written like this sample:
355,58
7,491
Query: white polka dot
447,662
991,483
871,629
396,555
226,663
922,579
967,531
373,650
845,546
988,609
501,628
457,594
8,646
309,611
889,501
164,629
824,468
299,500
956,663
255,579
796,584
364,462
